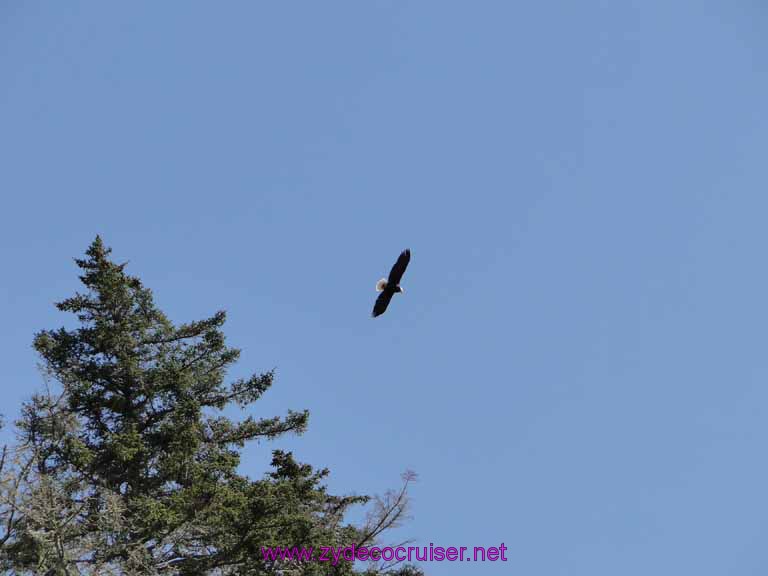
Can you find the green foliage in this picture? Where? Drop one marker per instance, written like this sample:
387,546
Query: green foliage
145,464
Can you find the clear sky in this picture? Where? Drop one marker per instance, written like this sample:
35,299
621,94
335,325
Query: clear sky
578,365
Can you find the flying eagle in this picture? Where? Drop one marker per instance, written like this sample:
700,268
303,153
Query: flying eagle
390,286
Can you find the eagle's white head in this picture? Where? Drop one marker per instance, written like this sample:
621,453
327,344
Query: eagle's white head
381,284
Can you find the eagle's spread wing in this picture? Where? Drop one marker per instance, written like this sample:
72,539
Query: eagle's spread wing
399,268
382,302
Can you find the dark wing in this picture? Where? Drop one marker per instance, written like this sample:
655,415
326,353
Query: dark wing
382,302
399,268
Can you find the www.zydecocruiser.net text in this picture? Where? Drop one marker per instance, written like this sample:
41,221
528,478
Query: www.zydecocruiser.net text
429,553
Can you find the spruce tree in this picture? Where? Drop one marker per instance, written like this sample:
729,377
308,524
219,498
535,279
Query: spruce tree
144,463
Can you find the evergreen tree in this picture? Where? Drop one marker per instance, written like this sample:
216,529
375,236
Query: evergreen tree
135,464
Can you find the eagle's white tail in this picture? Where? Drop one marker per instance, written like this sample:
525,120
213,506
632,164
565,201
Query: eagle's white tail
381,284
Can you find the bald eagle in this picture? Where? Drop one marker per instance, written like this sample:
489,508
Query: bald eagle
390,286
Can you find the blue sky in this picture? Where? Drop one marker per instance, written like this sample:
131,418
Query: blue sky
578,366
